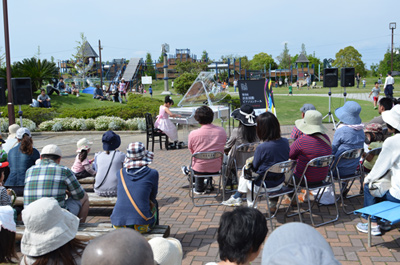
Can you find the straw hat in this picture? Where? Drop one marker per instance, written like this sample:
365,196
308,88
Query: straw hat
137,156
349,113
245,115
47,227
166,251
312,123
392,117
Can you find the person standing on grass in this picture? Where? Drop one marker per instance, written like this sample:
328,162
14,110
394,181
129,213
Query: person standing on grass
388,86
122,90
375,94
151,91
358,78
290,89
364,82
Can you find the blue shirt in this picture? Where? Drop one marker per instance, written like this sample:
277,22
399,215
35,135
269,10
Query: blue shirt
266,155
344,139
19,164
143,187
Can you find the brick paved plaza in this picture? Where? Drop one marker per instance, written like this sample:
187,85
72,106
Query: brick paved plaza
196,227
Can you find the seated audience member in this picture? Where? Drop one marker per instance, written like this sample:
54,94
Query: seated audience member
5,194
50,179
282,247
128,247
166,251
108,164
389,163
349,135
74,89
11,139
82,166
272,150
137,189
49,236
61,85
50,89
98,93
7,235
43,99
20,158
243,134
373,139
296,133
208,137
314,143
385,104
241,233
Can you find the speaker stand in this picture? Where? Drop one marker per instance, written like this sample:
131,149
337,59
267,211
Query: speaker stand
330,115
344,94
20,114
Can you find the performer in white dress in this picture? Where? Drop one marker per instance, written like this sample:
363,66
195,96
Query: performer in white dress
164,124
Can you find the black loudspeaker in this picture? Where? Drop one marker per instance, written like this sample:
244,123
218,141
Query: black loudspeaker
347,77
22,91
330,77
3,99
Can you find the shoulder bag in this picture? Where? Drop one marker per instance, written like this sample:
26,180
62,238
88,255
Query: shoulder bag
108,170
133,202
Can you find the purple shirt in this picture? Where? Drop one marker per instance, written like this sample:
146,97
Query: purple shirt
306,148
207,138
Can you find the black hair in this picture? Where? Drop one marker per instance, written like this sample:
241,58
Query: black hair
204,115
83,155
52,157
42,90
376,83
386,103
72,83
268,127
7,247
249,133
241,233
168,99
375,136
391,128
390,73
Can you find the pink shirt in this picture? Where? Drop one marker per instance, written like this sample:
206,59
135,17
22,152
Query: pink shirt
207,138
79,166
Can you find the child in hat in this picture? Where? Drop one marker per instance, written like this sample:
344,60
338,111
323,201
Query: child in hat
82,166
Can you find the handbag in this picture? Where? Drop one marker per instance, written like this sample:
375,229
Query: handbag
152,206
108,170
380,186
249,172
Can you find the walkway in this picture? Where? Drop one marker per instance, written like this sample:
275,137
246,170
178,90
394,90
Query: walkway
196,227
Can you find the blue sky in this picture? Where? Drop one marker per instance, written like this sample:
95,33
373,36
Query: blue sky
132,28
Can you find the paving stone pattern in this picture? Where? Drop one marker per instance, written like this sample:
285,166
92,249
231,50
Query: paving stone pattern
196,227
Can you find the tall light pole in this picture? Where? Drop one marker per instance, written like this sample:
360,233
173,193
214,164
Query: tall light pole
11,113
392,26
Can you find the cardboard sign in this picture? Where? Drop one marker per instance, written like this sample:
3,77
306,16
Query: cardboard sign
251,92
147,80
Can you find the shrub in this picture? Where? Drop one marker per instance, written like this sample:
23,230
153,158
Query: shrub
136,124
90,124
184,81
46,125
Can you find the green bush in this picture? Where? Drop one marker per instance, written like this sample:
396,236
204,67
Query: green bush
183,82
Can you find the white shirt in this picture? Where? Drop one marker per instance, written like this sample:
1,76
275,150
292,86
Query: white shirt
388,81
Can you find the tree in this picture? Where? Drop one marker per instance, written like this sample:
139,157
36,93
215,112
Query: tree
38,70
284,58
183,82
149,66
190,67
350,57
204,56
79,59
303,49
385,64
374,69
262,60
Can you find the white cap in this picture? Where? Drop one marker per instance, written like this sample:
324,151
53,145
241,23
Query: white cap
51,149
21,131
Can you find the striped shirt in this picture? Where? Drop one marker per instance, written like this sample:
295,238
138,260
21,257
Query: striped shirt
306,148
296,133
49,179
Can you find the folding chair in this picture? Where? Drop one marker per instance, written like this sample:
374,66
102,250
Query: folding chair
349,180
151,133
242,152
322,161
285,167
206,156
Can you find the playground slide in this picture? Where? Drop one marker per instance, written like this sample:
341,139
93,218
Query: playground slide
131,68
